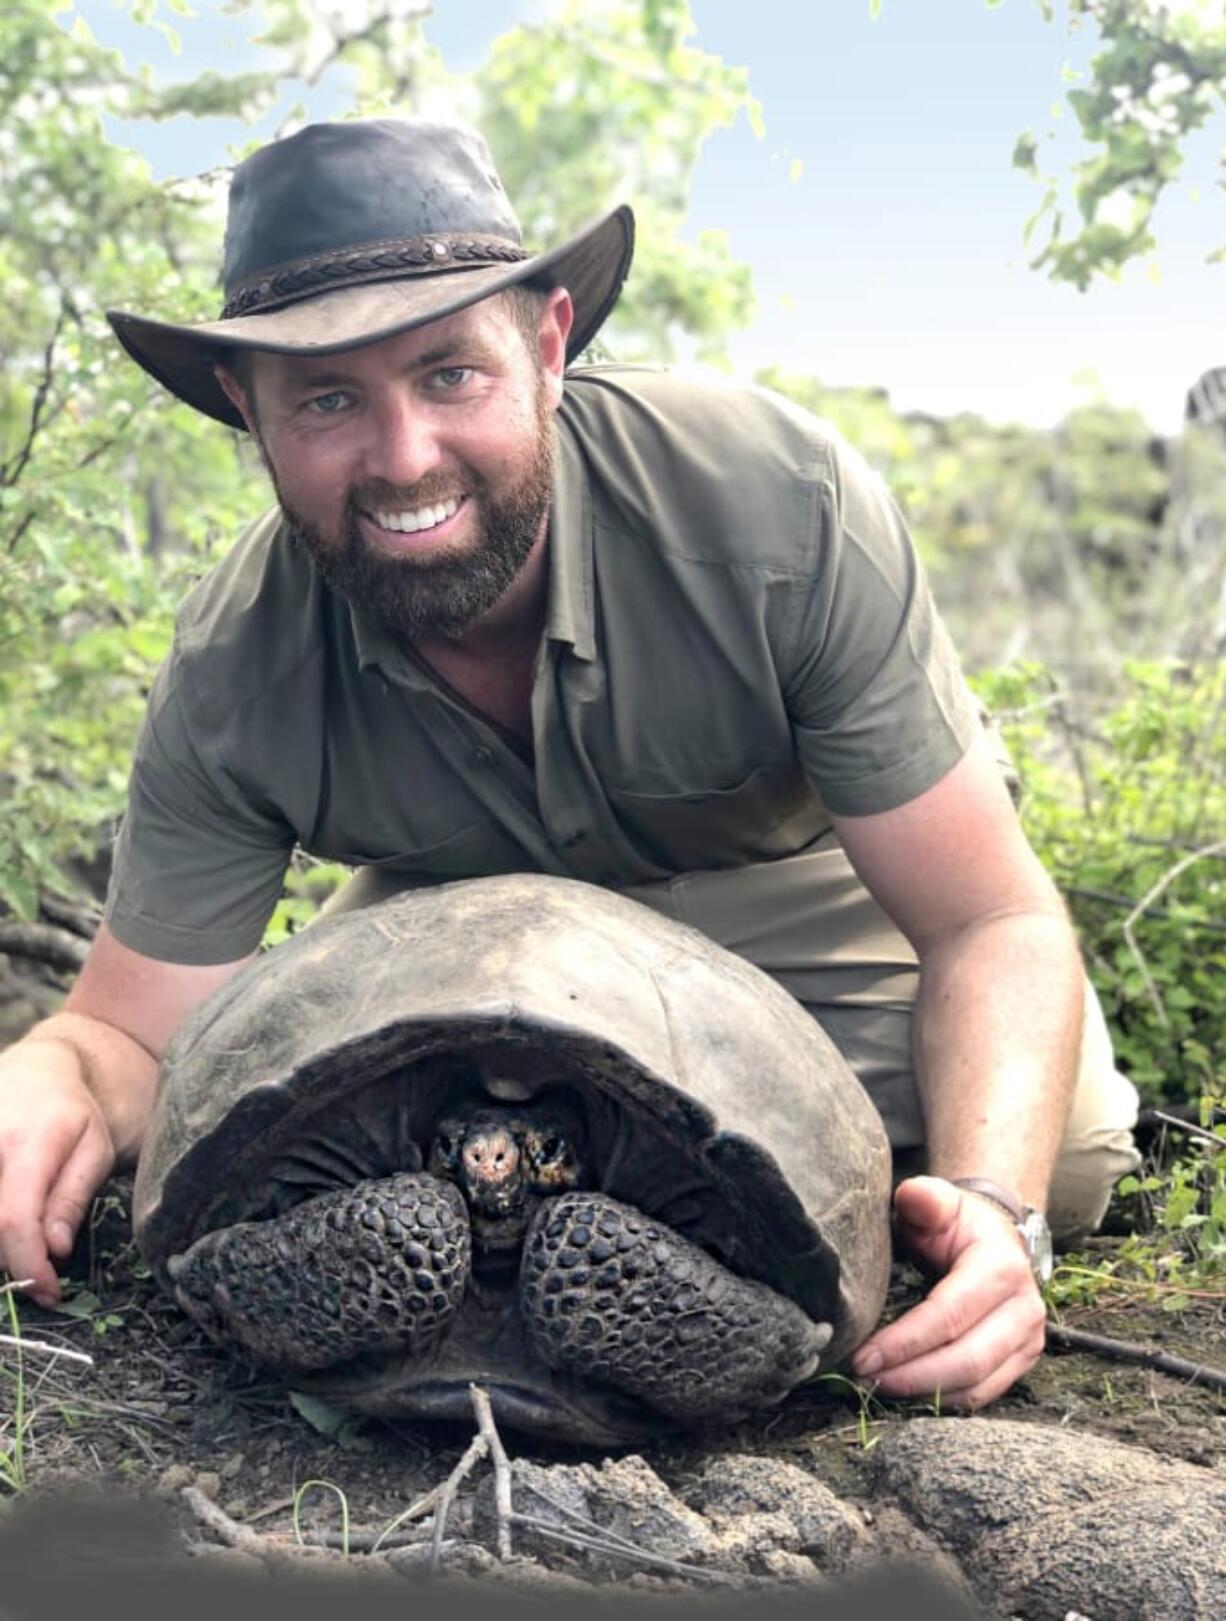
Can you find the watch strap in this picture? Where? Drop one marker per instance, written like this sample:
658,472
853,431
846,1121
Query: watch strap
1008,1202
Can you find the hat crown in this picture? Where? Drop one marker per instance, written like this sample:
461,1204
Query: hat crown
334,186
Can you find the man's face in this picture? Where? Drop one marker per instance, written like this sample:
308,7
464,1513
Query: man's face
416,471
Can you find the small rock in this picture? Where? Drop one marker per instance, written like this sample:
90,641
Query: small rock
236,1508
232,1466
742,1540
792,1568
208,1483
828,1530
174,1478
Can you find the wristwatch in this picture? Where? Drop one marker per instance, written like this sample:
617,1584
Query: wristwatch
1031,1224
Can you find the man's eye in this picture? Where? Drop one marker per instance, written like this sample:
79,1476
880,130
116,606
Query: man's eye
453,376
328,405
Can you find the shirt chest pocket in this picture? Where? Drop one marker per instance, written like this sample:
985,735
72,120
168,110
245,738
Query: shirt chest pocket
770,813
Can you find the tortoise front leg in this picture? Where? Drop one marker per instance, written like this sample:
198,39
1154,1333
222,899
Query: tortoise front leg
610,1294
379,1266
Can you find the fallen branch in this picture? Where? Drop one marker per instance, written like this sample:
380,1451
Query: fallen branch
365,1541
44,943
1076,1339
1183,1125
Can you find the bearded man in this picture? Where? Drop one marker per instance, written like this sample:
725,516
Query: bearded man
510,614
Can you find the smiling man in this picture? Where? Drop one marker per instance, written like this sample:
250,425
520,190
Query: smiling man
510,614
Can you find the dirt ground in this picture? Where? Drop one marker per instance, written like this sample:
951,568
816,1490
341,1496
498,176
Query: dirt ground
160,1408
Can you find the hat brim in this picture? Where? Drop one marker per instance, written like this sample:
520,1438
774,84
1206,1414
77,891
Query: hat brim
592,266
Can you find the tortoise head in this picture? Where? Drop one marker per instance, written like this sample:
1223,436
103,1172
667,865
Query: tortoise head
506,1157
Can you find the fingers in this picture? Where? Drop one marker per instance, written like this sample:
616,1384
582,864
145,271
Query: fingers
23,1244
971,1366
981,1327
47,1180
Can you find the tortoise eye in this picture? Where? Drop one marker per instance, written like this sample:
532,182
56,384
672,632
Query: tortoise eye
552,1146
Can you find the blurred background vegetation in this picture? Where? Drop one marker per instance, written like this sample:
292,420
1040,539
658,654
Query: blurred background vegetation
1081,569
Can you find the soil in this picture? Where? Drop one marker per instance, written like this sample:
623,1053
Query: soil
160,1408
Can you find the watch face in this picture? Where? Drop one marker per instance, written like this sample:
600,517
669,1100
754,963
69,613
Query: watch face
1037,1235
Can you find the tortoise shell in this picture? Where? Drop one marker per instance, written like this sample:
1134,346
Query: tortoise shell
714,1104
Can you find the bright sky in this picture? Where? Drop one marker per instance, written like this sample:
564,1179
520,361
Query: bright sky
896,258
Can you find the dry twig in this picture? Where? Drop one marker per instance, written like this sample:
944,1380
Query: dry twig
24,1344
478,1448
502,1468
1189,1126
619,1549
228,1530
1076,1339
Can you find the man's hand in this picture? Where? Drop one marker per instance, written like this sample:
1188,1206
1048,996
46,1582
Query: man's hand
76,1094
981,1326
55,1152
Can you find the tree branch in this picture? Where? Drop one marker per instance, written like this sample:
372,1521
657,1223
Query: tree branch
43,943
1076,1339
12,470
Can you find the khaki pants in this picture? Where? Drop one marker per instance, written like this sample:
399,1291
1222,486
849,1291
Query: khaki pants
810,923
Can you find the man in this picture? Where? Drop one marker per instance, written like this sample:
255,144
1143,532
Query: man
602,624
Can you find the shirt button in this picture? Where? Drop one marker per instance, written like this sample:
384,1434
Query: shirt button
482,755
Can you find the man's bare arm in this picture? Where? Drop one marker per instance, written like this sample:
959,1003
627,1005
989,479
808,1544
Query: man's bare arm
997,1033
76,1093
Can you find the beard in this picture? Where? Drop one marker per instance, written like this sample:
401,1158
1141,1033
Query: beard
443,595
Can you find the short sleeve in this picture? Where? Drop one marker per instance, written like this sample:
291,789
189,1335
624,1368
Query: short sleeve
879,706
198,865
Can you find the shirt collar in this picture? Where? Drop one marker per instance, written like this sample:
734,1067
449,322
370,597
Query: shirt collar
569,612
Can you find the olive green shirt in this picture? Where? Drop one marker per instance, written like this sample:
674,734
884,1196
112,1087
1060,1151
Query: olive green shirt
739,640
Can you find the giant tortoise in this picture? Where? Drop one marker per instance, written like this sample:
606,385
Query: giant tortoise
525,1132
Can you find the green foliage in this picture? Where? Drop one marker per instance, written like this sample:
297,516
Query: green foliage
621,105
1159,76
1128,814
111,496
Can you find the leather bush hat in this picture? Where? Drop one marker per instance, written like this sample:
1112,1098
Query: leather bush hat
347,233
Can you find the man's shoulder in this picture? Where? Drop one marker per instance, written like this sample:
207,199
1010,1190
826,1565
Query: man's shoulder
253,620
708,468
685,406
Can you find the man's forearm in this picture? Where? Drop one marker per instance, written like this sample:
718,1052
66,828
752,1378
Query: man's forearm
997,1038
120,1073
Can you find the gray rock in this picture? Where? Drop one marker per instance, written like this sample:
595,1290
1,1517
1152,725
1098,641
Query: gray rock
1046,1521
825,1528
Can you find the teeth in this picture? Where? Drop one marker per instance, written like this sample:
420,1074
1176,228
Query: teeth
411,523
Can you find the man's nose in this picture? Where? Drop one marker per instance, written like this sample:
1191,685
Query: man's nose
404,441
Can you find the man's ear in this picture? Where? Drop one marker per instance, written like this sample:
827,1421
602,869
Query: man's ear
557,318
234,392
